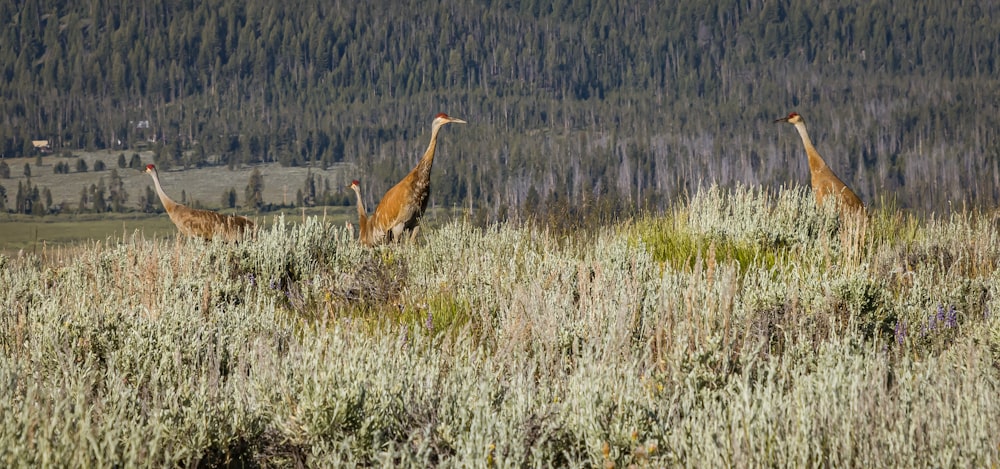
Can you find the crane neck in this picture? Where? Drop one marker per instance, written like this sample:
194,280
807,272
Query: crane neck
364,229
362,213
168,203
815,160
423,168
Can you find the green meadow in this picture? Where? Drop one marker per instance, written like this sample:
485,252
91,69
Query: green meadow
741,328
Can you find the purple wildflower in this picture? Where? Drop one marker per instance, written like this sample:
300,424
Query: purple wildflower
252,279
934,319
952,319
430,321
900,332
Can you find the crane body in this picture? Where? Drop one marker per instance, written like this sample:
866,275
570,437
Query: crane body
204,224
402,206
824,181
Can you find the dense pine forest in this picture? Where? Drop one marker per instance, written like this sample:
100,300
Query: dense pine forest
571,104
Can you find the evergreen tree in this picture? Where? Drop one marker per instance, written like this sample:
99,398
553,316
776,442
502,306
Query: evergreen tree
84,200
47,194
254,192
97,194
116,191
147,202
229,198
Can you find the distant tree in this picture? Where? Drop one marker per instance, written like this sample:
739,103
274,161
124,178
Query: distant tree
532,201
135,162
4,170
61,167
309,190
38,160
47,194
19,199
37,207
177,155
97,196
196,158
27,170
229,198
81,165
121,161
99,165
146,204
3,198
27,199
162,160
254,192
84,200
327,192
116,191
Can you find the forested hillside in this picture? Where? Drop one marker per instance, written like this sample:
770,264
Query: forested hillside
634,102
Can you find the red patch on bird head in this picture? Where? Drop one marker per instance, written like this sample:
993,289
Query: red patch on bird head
794,114
442,116
355,183
150,167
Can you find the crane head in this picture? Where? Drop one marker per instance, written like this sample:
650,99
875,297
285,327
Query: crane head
150,168
355,184
792,118
443,118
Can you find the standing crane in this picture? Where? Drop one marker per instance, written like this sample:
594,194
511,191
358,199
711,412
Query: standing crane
364,229
824,181
204,224
403,205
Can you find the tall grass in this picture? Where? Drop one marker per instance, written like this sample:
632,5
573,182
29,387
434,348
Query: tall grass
744,328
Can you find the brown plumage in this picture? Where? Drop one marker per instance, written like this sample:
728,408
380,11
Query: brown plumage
403,205
824,181
364,229
204,224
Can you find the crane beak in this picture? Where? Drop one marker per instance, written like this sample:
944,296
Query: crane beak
452,120
783,119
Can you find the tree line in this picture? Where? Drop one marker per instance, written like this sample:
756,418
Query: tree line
569,101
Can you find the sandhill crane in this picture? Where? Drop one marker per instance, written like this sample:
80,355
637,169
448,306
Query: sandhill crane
204,224
403,205
824,181
364,229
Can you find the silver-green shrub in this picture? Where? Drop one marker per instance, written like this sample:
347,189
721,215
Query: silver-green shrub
745,328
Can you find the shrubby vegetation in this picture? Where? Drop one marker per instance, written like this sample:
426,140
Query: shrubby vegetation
744,328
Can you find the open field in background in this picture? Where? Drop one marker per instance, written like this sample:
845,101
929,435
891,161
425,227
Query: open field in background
205,185
32,233
741,329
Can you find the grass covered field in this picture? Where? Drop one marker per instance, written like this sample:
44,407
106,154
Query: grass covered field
32,233
203,186
743,328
